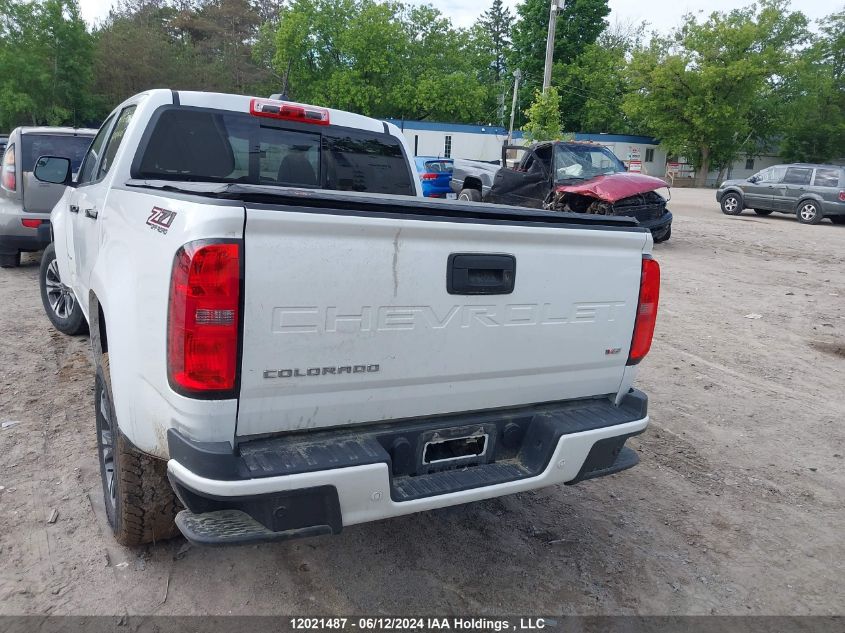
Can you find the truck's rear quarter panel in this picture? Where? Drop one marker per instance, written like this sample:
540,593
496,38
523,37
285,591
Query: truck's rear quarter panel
331,290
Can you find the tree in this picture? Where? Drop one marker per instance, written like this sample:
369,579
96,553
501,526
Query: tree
579,23
543,116
593,86
812,119
496,23
45,64
379,59
705,90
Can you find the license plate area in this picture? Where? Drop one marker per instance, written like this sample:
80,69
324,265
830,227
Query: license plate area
451,196
458,447
450,450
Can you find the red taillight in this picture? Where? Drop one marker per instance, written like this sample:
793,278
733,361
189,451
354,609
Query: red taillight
646,311
842,196
8,169
203,319
429,176
31,224
289,111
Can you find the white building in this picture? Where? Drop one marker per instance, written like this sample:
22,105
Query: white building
639,153
454,140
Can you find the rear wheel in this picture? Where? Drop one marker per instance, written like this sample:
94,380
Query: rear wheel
731,204
10,261
471,195
60,303
808,212
762,211
140,504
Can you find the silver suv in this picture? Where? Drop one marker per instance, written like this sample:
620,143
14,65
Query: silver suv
811,192
25,203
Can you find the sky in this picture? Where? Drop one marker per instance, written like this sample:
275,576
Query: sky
662,15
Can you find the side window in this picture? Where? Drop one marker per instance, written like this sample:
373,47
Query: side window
777,174
114,141
827,178
86,172
798,175
764,176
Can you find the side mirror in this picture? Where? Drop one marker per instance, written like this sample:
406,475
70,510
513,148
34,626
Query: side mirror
54,170
753,179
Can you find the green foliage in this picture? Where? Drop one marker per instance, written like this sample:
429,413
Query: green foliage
543,116
812,118
578,25
736,83
45,64
379,59
496,24
594,84
706,91
200,45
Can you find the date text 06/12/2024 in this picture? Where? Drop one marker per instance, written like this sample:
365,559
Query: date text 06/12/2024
417,624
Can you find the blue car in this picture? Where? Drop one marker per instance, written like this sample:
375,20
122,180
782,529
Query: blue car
436,176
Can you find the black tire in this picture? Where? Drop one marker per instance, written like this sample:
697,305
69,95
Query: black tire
472,195
762,211
662,236
809,212
59,302
837,219
140,504
731,204
10,261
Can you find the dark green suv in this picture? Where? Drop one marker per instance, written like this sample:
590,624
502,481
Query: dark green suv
811,192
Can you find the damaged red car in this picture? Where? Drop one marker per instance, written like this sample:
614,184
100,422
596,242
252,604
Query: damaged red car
567,176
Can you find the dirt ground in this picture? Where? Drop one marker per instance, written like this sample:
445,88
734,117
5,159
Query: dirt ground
736,507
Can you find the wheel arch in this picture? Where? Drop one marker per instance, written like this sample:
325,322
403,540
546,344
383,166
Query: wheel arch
97,326
472,182
810,197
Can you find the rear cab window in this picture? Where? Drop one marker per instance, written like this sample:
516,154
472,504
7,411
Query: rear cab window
35,145
206,145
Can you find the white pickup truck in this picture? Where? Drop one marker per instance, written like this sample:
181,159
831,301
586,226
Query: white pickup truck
288,339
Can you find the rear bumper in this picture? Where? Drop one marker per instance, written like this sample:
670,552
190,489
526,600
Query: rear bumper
658,225
38,240
15,237
296,486
833,208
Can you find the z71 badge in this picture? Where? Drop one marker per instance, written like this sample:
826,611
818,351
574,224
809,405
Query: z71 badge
161,219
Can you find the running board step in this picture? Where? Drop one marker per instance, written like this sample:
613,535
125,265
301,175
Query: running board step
234,527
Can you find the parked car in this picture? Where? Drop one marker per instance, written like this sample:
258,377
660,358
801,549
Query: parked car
435,176
25,202
812,192
294,341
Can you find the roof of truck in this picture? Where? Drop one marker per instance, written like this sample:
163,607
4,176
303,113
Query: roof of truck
241,103
77,131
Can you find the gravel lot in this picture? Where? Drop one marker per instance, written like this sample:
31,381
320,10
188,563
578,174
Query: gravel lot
736,507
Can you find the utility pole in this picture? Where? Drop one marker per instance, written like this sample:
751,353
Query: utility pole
550,43
517,74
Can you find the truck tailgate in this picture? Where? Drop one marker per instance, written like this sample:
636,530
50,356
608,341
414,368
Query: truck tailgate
348,318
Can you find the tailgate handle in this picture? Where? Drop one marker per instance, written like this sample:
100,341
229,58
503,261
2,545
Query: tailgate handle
480,274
